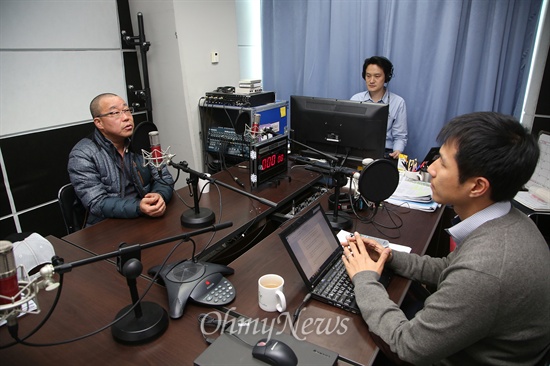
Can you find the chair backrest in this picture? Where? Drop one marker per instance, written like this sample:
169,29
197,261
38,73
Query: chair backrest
74,213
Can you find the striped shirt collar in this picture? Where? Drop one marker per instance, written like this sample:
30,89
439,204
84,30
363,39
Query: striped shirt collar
384,99
464,228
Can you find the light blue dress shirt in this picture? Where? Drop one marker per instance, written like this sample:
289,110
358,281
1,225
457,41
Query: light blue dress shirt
396,131
460,231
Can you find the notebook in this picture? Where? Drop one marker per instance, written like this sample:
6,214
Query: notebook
317,254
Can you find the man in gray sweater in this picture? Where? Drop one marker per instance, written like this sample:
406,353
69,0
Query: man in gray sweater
492,300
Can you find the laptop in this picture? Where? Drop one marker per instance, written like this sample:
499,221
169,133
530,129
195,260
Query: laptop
317,254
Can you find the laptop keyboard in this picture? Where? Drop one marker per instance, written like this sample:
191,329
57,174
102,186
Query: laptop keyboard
336,286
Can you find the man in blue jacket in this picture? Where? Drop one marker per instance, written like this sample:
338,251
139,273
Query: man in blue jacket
108,178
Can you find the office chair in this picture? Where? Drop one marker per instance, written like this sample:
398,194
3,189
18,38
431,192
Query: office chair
74,213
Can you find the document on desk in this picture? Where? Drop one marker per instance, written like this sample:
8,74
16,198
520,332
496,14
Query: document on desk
531,201
538,197
343,234
430,206
28,307
409,190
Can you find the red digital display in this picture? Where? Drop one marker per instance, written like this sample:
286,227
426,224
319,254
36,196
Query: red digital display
272,160
268,159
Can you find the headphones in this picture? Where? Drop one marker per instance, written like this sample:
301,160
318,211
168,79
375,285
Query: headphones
226,89
381,61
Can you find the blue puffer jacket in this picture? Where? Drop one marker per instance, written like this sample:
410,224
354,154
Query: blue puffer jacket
96,172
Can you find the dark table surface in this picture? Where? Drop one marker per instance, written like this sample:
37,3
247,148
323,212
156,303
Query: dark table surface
320,323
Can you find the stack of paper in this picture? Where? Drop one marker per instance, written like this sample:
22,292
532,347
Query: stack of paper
413,194
409,190
532,201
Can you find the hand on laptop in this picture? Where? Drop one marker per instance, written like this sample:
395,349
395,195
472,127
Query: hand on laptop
364,255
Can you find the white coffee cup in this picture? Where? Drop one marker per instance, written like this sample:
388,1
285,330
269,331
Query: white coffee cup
203,183
270,293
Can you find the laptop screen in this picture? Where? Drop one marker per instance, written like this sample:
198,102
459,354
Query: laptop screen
311,241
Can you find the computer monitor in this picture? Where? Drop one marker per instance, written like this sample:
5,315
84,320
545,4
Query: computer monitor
350,130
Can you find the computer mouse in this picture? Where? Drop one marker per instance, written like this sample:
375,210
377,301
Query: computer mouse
274,352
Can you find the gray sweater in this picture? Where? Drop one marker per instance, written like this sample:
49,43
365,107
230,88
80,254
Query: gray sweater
491,307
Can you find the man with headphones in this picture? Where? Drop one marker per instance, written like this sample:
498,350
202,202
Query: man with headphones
377,73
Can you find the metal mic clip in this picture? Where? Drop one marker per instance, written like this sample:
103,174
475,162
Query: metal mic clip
156,160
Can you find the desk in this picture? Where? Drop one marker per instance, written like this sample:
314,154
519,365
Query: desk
91,297
270,256
244,212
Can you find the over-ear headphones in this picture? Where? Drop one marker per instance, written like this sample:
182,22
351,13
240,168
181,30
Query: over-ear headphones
381,61
226,89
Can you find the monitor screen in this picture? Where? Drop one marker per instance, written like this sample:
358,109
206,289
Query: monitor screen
350,130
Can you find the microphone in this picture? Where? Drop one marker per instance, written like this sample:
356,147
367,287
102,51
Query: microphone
255,125
156,151
9,287
13,293
156,157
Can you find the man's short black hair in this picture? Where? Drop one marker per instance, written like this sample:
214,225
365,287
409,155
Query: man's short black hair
494,146
384,64
94,104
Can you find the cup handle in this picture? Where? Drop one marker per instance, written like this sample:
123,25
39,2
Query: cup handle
281,304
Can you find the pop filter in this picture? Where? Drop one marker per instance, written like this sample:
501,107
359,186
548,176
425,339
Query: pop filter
240,122
140,137
378,180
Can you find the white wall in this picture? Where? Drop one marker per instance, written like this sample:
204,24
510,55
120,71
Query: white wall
183,33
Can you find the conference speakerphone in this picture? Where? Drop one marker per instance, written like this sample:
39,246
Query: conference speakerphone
242,100
202,282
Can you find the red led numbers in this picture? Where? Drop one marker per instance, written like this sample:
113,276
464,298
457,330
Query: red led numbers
272,160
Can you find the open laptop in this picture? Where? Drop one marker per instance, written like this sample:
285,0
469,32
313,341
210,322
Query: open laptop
317,254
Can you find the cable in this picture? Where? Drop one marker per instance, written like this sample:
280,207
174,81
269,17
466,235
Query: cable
299,308
101,329
46,318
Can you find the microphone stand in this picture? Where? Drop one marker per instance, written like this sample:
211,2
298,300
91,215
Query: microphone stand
338,220
149,320
200,217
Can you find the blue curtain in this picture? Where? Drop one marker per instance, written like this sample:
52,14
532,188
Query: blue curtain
450,57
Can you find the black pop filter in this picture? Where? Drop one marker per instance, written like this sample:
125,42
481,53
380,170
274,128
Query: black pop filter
240,122
378,180
140,137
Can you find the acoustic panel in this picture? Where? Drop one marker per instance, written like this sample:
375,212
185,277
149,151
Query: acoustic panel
46,220
7,227
36,164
